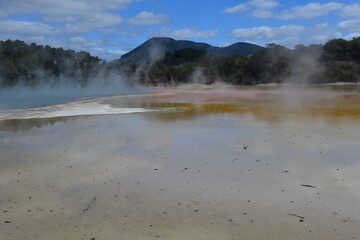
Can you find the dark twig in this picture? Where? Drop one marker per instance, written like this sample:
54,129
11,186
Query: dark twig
307,185
295,215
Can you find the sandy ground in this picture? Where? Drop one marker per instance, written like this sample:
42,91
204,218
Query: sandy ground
235,168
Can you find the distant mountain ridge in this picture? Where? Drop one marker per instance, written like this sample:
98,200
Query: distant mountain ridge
155,48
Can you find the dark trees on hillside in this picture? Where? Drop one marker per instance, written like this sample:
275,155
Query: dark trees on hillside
269,65
342,50
31,65
337,61
194,65
231,69
34,64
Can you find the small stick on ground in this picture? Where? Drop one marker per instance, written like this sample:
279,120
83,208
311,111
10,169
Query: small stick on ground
295,215
307,185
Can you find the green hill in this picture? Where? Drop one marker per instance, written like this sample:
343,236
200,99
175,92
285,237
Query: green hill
155,48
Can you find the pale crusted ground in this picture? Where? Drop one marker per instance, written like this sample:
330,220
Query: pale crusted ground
218,170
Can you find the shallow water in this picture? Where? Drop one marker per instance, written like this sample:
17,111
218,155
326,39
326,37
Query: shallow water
22,98
227,165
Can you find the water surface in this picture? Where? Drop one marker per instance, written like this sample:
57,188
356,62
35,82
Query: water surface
244,164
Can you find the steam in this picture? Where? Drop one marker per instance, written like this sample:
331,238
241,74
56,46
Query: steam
156,54
121,77
299,66
198,76
305,67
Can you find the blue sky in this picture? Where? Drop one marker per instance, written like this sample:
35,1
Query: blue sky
109,28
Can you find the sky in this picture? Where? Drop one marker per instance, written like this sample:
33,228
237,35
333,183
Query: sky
110,28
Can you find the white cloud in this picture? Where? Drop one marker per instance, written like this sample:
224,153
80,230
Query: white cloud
321,26
265,32
148,19
64,7
352,10
78,15
322,38
268,4
56,19
257,4
19,28
102,48
132,33
117,52
352,35
321,33
95,21
240,8
108,54
289,42
185,33
193,33
262,13
58,24
3,14
309,11
224,44
79,43
350,25
80,40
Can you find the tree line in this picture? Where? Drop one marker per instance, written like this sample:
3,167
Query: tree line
338,60
31,65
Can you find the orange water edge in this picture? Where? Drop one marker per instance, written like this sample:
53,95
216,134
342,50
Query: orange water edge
262,106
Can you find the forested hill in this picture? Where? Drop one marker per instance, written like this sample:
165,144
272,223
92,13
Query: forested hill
155,49
338,60
33,64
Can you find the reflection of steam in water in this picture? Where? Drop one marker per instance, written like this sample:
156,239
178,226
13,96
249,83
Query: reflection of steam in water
27,124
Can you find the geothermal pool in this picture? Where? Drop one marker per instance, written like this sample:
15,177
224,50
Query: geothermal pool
184,164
